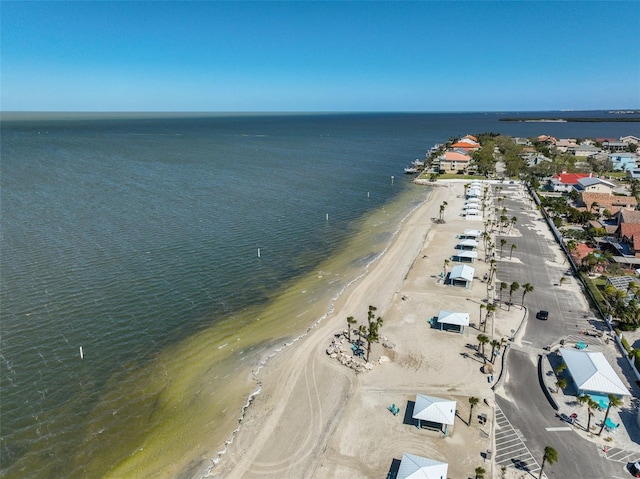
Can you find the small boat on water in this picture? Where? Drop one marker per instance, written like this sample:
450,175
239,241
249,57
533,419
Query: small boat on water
411,170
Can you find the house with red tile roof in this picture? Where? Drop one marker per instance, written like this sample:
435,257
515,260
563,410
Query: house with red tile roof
454,161
606,201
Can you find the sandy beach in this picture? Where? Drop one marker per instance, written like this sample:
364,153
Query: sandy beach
318,418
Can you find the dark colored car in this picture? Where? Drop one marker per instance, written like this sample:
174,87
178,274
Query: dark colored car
543,315
634,468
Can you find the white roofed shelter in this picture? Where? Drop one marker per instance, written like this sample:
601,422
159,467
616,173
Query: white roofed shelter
461,275
434,410
592,374
418,467
453,320
470,234
465,256
467,244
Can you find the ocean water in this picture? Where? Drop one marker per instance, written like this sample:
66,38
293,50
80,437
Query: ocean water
137,239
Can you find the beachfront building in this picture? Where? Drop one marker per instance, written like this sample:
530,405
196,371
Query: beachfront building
461,275
418,467
454,162
592,374
467,245
470,234
452,321
465,256
434,413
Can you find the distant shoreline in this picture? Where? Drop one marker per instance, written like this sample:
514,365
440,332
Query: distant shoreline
575,120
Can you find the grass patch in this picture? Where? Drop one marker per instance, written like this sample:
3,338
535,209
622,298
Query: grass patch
454,176
595,286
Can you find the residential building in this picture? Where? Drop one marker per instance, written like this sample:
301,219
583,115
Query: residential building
592,184
565,182
614,146
630,139
623,161
598,202
454,162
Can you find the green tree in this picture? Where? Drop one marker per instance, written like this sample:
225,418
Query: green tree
491,309
513,246
526,288
372,332
614,401
473,402
561,383
550,456
503,286
482,340
350,322
502,243
495,344
480,472
512,289
445,264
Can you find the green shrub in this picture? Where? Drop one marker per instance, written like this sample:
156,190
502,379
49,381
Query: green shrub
625,344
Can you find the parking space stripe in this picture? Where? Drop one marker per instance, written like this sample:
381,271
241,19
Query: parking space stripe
511,450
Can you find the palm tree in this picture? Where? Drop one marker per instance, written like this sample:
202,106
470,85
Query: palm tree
350,322
502,243
480,472
526,288
491,308
585,399
442,207
614,401
495,344
503,286
446,263
372,335
512,289
473,401
482,340
550,456
482,306
561,383
513,246
512,222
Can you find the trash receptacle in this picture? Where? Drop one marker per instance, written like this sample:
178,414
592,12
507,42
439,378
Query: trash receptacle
489,454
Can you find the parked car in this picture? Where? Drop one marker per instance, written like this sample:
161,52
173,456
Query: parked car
543,315
634,468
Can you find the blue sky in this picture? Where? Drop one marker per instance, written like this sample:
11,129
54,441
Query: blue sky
319,56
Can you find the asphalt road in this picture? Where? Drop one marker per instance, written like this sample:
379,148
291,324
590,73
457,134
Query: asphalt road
524,404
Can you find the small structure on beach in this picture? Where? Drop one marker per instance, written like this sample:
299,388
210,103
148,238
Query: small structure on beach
436,413
461,275
467,244
465,256
592,374
418,467
452,320
470,234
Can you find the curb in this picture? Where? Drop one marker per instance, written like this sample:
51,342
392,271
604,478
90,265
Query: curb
543,386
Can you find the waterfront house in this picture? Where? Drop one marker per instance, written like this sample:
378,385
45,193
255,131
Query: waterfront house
630,139
564,144
533,159
584,150
454,162
614,145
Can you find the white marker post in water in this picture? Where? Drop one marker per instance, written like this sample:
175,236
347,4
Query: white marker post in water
81,353
258,252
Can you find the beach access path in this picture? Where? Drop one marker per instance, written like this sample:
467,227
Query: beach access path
317,418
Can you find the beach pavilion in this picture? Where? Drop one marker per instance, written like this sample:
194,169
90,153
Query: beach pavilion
418,467
461,275
451,320
433,410
592,374
467,244
470,234
465,256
